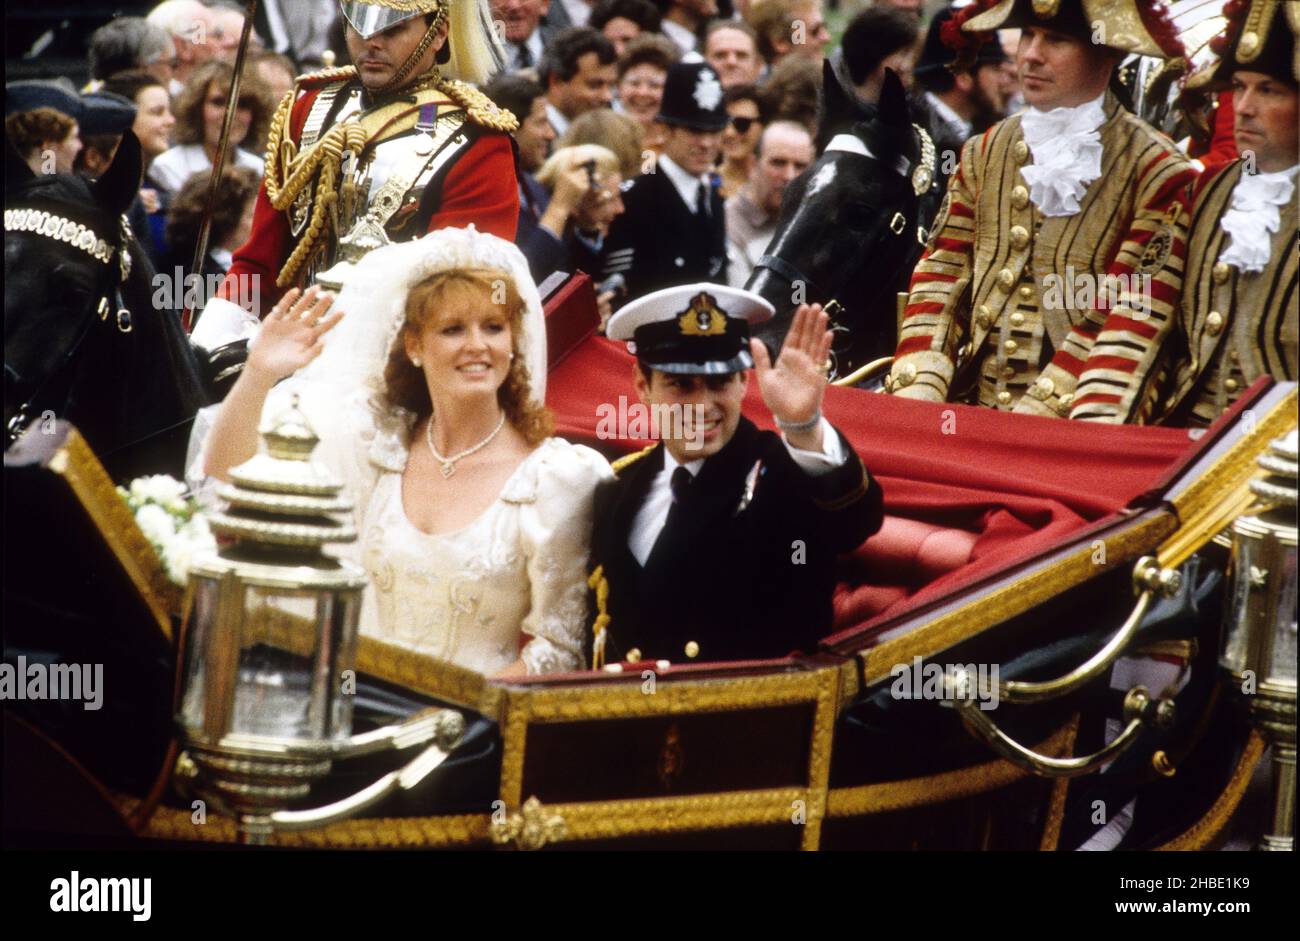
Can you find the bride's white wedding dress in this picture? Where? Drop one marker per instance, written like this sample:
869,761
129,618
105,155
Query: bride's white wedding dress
518,569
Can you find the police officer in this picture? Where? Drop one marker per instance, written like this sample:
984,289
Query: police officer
1238,317
673,230
719,542
384,150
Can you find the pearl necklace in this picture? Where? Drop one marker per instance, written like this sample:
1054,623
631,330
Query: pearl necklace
449,463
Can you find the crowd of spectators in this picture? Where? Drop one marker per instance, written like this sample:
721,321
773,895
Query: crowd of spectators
585,80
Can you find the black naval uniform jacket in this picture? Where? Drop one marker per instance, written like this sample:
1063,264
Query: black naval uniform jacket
730,578
658,242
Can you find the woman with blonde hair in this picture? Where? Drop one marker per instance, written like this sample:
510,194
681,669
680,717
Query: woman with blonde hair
427,394
200,110
617,132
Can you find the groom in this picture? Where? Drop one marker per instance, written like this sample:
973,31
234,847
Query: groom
719,542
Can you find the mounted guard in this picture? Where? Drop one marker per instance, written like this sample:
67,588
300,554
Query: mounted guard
385,150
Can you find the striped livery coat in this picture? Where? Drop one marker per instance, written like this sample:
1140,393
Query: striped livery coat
1000,312
1233,326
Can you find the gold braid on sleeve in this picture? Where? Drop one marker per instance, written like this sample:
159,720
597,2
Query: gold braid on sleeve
600,585
289,172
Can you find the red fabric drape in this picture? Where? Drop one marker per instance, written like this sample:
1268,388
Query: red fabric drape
961,484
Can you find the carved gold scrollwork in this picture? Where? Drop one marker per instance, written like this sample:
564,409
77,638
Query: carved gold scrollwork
529,829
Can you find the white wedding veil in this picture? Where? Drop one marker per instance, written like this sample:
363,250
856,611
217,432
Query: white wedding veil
350,369
373,301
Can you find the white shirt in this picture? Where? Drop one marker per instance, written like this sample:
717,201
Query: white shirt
948,115
579,11
679,34
557,119
173,167
687,186
653,514
1066,145
535,47
1254,215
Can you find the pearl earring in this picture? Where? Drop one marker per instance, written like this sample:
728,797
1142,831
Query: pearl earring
416,362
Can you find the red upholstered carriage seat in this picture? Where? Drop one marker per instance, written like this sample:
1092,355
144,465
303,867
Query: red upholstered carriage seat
905,555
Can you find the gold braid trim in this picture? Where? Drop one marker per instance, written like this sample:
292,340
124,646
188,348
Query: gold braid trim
600,585
1216,818
481,109
628,459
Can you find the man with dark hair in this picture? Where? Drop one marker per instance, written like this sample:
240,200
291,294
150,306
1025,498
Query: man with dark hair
1238,317
523,98
621,21
879,38
683,20
719,543
1051,275
955,101
578,74
673,230
129,42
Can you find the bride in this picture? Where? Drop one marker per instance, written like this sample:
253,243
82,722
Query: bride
425,386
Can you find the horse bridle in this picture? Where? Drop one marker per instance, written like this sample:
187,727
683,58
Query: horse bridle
84,238
921,176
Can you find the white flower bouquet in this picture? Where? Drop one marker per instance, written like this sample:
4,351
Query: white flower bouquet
171,521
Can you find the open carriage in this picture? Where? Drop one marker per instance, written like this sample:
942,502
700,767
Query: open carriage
1020,557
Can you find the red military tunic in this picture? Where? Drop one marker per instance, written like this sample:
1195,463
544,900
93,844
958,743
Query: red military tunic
478,188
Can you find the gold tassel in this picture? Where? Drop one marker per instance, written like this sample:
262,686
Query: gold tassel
600,586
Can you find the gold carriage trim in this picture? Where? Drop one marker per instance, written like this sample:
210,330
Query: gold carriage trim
59,229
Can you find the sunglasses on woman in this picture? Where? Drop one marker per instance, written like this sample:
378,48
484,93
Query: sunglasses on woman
742,125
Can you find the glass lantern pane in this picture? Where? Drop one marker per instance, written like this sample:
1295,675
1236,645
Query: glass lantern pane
199,630
273,689
1236,627
1284,627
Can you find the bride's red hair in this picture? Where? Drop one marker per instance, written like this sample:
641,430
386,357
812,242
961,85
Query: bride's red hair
405,384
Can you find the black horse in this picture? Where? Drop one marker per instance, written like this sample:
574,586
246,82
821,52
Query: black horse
83,340
852,226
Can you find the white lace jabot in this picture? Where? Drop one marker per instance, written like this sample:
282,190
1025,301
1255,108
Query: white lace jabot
1066,144
1254,215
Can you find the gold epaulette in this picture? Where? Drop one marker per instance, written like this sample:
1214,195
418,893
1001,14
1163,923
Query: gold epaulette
481,109
628,459
325,76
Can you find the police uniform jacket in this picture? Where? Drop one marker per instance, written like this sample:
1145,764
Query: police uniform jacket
983,322
659,242
469,176
730,578
1233,326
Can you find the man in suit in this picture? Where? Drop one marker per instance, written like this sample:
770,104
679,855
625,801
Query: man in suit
1237,320
524,30
673,230
719,542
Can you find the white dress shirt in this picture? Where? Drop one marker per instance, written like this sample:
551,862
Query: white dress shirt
680,35
535,48
687,186
948,116
579,11
557,119
1066,146
650,519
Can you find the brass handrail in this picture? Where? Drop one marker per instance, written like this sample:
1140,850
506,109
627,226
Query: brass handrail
1150,580
1139,711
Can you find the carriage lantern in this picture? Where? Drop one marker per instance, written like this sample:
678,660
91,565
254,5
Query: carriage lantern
1259,636
269,649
